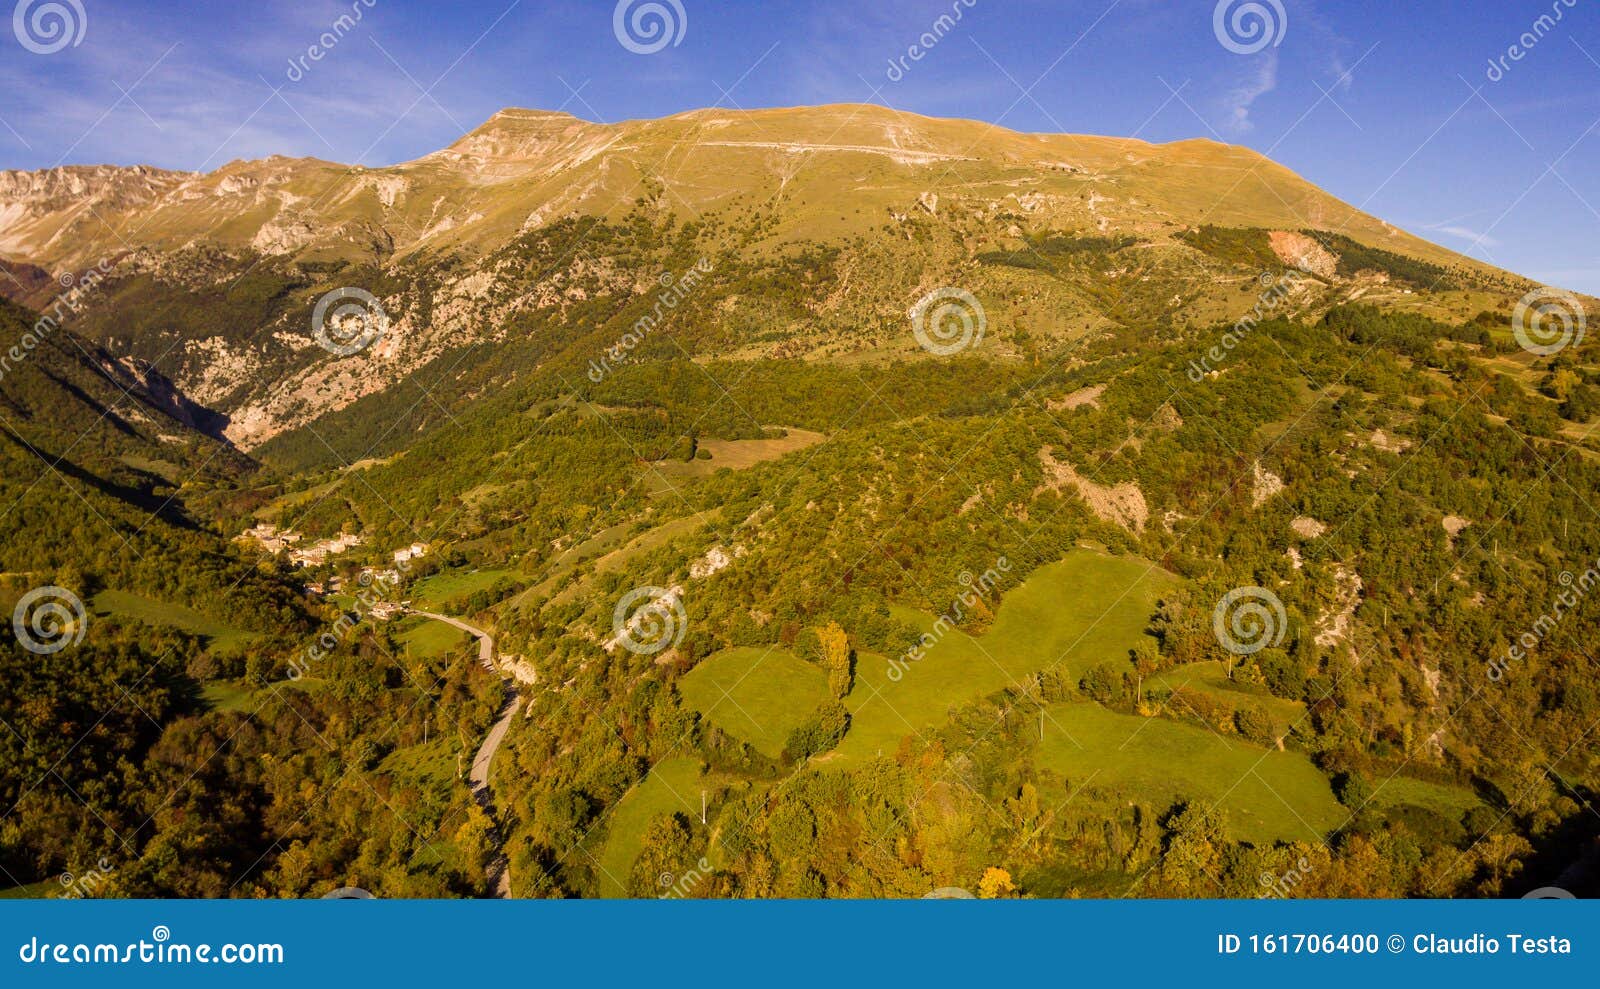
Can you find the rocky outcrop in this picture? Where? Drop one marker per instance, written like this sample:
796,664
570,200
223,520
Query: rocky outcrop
40,210
141,377
1122,504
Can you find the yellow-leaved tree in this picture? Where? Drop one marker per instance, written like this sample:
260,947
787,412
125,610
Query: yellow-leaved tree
996,884
837,659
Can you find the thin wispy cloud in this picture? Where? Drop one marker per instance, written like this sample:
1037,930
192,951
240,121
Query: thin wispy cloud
1465,233
1325,38
1237,102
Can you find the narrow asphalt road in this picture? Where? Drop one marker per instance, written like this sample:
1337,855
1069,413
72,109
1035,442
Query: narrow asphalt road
478,776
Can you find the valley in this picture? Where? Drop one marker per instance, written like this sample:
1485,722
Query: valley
812,502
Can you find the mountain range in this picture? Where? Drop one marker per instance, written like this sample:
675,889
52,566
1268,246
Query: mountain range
909,203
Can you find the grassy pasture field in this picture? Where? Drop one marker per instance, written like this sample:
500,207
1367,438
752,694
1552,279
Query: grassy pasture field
229,695
757,695
248,696
662,476
426,639
219,634
1086,609
443,587
1268,795
1211,678
619,558
674,785
274,510
610,549
433,765
1449,802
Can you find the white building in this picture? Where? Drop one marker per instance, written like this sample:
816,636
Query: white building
415,551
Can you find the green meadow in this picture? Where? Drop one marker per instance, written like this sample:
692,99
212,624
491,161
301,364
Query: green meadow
617,560
228,695
441,588
1211,678
609,550
1268,795
1449,802
757,695
674,785
219,634
427,639
434,765
665,476
1087,609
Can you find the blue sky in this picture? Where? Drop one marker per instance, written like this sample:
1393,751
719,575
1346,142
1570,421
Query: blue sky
1388,105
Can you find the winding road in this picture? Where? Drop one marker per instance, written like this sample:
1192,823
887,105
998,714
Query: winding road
478,776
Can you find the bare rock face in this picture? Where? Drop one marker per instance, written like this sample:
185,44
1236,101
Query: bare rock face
1307,527
1265,485
1299,251
38,210
1122,504
54,188
515,143
1334,625
1089,396
159,391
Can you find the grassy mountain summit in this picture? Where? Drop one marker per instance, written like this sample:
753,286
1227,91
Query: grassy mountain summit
522,169
534,215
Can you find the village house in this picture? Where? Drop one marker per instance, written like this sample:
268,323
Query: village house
415,551
318,553
270,537
385,611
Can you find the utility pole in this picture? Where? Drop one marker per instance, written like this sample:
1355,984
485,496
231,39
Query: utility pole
702,806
